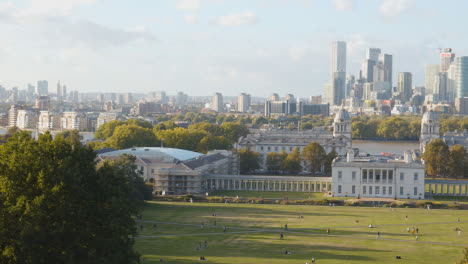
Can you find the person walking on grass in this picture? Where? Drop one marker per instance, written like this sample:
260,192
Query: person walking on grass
281,235
206,244
417,230
378,234
313,260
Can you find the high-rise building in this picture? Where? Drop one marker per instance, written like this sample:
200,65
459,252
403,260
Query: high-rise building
338,73
42,102
64,92
368,70
350,80
405,84
289,97
431,72
128,98
461,105
440,87
58,90
338,63
316,99
387,61
217,104
373,54
243,103
42,88
461,76
274,97
446,58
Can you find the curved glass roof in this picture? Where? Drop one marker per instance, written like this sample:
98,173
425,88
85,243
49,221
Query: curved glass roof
155,152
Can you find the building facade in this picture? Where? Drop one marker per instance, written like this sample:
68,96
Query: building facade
378,176
217,103
243,103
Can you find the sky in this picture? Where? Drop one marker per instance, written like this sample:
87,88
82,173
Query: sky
230,46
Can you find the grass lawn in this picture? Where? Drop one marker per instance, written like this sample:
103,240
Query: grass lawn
253,234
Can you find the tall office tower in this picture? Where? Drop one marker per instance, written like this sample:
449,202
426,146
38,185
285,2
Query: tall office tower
243,103
461,77
419,90
387,61
289,97
128,98
440,87
217,104
338,63
378,73
64,91
431,72
373,54
405,84
338,88
42,87
446,58
350,80
58,90
451,83
338,73
368,70
274,97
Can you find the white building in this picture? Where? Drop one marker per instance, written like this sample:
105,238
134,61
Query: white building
26,119
430,129
217,104
104,118
378,176
243,102
73,120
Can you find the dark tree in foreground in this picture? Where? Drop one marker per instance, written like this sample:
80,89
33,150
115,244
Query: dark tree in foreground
57,206
249,161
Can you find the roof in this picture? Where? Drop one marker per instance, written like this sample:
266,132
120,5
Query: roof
430,116
201,161
342,115
155,153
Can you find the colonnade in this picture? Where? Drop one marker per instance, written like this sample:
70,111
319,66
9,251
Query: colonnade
440,187
267,183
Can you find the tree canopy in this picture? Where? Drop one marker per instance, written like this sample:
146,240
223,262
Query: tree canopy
58,207
249,161
314,155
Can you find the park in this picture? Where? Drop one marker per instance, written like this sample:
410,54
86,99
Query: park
175,232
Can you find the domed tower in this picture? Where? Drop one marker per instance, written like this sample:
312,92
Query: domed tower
342,124
430,129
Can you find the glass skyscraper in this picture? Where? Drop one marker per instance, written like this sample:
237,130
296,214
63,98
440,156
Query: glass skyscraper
461,76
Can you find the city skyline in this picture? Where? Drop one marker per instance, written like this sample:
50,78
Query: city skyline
211,46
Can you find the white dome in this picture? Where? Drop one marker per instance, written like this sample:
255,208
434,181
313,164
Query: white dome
430,117
342,116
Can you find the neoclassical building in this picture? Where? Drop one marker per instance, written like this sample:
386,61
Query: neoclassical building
430,129
265,141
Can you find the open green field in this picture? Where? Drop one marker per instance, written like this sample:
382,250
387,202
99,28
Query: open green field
253,234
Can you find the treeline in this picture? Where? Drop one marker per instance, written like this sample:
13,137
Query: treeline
444,161
200,137
401,127
314,156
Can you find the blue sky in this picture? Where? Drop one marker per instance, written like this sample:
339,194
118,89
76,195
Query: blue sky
205,46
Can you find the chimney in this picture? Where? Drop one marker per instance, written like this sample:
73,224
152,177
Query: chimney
408,156
350,155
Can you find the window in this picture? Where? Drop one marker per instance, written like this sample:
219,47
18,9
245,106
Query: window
261,148
370,189
401,190
389,190
384,176
371,176
415,176
415,190
363,189
353,189
339,188
290,148
340,175
353,176
402,176
377,175
390,176
364,175
377,190
276,148
384,190
269,148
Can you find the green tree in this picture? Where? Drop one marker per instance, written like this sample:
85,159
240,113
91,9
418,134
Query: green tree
328,161
292,163
273,162
233,131
437,157
249,161
107,130
70,135
57,207
314,155
464,259
458,161
127,136
12,130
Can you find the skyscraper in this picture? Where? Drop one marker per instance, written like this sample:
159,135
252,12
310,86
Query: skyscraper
368,70
431,71
243,103
405,84
338,73
58,90
338,63
446,58
387,61
64,91
440,87
42,87
274,97
373,54
461,76
218,104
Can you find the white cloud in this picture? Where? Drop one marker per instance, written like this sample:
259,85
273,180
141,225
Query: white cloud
193,5
390,9
238,19
297,52
191,19
342,5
